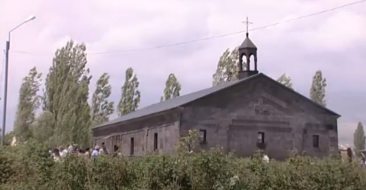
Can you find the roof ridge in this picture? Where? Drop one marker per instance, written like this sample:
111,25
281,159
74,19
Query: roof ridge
188,98
174,102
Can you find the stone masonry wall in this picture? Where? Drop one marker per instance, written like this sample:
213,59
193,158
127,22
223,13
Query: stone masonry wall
233,117
166,125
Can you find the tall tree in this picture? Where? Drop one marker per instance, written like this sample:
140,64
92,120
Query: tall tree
101,107
41,130
285,80
28,103
317,90
130,97
66,94
227,68
359,139
172,88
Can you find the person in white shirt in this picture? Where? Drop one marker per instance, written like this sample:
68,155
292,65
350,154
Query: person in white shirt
56,155
70,149
95,152
64,152
61,151
266,158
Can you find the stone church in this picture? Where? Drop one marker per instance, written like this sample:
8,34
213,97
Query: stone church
241,116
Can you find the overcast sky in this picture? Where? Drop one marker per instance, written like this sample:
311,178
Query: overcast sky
333,42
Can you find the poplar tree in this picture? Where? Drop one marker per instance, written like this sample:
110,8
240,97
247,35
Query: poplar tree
130,96
43,131
317,90
172,88
285,80
66,95
102,108
359,139
227,67
28,103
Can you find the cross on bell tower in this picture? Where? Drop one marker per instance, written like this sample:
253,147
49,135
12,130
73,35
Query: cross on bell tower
247,49
246,22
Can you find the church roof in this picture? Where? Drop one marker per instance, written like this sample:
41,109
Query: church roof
247,44
185,99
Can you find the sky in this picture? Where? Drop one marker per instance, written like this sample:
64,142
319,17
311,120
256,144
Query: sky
126,33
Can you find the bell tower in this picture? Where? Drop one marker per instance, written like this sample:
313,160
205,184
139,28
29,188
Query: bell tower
246,50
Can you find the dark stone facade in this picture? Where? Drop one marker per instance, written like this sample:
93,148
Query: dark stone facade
232,119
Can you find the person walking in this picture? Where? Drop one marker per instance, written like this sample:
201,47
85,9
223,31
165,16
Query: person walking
349,153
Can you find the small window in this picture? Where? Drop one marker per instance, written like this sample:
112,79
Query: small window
132,148
305,131
316,141
203,136
330,127
260,137
155,141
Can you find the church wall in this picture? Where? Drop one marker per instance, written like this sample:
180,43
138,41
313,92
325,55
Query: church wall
166,125
233,117
144,139
168,137
278,136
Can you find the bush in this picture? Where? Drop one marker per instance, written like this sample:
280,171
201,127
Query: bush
5,167
30,167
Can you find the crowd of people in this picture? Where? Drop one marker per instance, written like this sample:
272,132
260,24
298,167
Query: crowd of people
59,153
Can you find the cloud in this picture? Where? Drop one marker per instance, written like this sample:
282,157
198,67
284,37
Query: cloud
332,42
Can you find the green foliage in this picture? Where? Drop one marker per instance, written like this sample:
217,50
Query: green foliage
28,102
66,95
5,166
317,90
101,107
189,142
8,137
29,166
172,88
42,129
359,139
130,97
227,68
285,80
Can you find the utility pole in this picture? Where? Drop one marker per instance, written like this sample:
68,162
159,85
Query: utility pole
6,72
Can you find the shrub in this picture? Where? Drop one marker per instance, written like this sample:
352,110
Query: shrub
31,167
6,171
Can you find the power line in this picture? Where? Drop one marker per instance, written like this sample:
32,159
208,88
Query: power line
211,37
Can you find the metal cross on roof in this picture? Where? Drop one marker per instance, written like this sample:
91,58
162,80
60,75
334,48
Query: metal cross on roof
246,22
